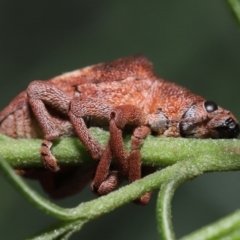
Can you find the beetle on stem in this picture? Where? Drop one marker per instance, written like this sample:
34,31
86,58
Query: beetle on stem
121,94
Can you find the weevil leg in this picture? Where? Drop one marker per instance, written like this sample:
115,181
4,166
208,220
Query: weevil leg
112,182
40,94
49,161
105,180
129,165
80,108
119,117
139,134
102,170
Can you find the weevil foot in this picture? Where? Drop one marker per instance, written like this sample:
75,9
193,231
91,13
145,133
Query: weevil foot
49,161
144,199
107,186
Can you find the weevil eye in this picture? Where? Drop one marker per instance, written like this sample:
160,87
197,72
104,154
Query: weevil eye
210,106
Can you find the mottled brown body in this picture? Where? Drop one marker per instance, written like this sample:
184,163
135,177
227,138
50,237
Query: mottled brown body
119,93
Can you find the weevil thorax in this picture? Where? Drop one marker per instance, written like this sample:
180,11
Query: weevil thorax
180,113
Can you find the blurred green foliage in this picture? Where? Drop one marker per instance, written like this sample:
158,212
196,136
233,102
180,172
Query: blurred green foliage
194,43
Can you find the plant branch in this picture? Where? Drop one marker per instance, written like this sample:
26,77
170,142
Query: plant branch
164,215
183,159
63,229
22,153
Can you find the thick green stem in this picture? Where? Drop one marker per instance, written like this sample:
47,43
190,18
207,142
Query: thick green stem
182,158
23,153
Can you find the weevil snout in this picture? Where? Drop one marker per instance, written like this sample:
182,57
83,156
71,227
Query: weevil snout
228,129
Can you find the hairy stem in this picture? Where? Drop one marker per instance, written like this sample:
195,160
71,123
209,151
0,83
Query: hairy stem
22,153
183,159
61,230
164,215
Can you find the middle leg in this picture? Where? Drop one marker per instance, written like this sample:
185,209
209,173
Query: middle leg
129,164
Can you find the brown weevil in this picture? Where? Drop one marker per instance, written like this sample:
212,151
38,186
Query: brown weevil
121,94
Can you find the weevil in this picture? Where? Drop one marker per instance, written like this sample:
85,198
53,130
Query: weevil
122,94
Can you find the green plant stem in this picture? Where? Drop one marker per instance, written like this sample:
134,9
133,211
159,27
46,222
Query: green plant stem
61,229
184,169
234,6
164,216
182,158
92,209
22,153
228,226
31,195
203,155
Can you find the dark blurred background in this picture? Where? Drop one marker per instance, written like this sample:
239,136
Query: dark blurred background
194,43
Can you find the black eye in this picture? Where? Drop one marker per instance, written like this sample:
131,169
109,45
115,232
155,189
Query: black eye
210,106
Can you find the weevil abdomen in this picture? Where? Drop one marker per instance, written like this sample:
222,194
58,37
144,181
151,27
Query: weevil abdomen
16,119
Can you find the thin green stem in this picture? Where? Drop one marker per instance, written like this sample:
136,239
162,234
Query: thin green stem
164,215
31,195
102,205
61,229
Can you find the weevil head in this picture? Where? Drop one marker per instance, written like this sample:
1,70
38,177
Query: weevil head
205,119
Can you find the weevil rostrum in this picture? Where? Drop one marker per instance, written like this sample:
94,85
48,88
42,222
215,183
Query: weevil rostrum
121,94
